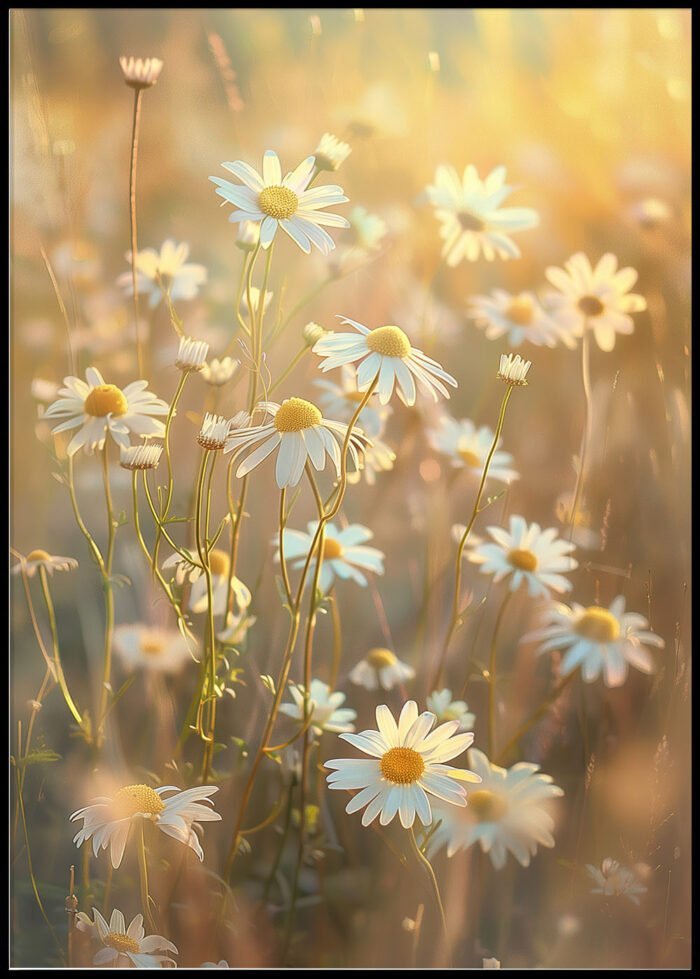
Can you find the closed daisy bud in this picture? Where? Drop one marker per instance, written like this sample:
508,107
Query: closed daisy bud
331,152
141,72
213,433
191,354
140,456
313,332
248,235
513,369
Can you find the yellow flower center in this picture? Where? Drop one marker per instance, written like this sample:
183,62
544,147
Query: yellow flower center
389,341
487,806
590,306
278,202
521,310
219,562
468,457
38,555
133,799
331,549
379,658
598,624
152,645
403,766
296,414
470,222
106,399
523,560
120,941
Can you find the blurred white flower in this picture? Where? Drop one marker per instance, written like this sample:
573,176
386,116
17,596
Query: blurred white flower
340,400
468,448
519,318
145,647
164,273
325,708
218,372
440,702
367,229
614,880
345,555
375,457
331,152
255,300
381,668
38,559
141,72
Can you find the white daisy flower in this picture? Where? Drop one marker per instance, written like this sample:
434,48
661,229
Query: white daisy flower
108,821
126,948
368,230
407,765
331,152
614,880
219,371
375,457
138,457
651,213
300,432
526,553
325,708
473,221
508,811
381,668
468,447
344,553
38,559
385,353
340,400
598,297
164,273
220,565
148,648
519,318
214,432
140,72
192,354
513,369
99,409
274,202
445,708
237,626
599,640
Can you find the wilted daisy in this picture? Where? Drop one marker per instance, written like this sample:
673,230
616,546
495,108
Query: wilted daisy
508,811
473,221
220,565
440,702
125,948
407,765
381,668
214,432
340,400
300,432
528,554
99,409
164,273
331,152
140,72
518,318
324,706
386,354
513,369
599,640
614,880
596,297
344,553
38,559
148,648
191,354
219,372
108,821
286,202
468,447
139,457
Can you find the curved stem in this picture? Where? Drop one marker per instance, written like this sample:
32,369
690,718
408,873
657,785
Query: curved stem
289,368
46,592
168,460
535,716
425,863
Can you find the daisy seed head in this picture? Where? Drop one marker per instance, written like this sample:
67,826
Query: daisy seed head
106,399
278,202
513,369
140,457
390,341
590,306
296,414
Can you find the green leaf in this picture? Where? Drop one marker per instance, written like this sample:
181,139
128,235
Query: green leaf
39,756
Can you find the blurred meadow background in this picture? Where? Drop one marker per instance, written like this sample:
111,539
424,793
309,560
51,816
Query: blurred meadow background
589,111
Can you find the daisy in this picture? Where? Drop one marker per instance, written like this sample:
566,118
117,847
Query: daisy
139,457
468,448
38,559
513,370
255,300
340,400
164,273
446,709
596,297
599,640
375,457
140,72
219,371
381,668
248,235
614,880
324,707
519,318
473,221
331,152
300,432
144,647
214,432
237,626
387,355
344,553
526,553
407,765
367,229
126,948
99,409
508,811
191,354
312,332
274,202
189,569
108,821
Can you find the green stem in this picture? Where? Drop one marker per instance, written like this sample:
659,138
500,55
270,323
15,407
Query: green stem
425,863
143,876
132,219
289,368
535,716
168,460
43,578
109,599
492,673
586,435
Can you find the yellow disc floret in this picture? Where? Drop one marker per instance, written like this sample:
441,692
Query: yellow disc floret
152,645
133,799
403,766
389,341
278,202
598,624
468,457
521,310
379,658
106,399
488,807
522,560
219,562
38,555
120,941
296,414
331,549
470,222
590,306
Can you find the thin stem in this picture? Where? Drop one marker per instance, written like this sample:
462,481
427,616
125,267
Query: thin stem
425,863
168,460
289,368
306,298
143,876
283,840
109,598
283,563
94,549
43,578
492,673
208,691
132,217
586,434
535,716
35,625
337,640
161,526
239,292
